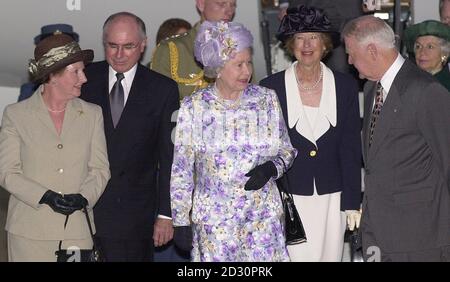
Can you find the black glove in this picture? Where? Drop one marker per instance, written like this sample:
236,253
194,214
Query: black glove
182,237
56,202
76,201
260,175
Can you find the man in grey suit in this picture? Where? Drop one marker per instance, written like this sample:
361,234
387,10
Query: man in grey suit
406,148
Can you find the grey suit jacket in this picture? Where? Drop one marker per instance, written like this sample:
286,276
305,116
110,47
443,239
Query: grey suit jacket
34,158
406,203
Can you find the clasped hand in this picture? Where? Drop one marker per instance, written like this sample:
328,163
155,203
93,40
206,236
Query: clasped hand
66,204
260,175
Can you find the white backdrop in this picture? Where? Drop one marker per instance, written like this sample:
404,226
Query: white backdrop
20,21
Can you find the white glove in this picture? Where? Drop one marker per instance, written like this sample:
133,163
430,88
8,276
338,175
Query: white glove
353,219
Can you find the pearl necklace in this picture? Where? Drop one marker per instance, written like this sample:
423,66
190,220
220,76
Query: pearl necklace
312,87
229,104
56,111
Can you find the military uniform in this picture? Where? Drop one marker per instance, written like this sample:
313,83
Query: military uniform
174,58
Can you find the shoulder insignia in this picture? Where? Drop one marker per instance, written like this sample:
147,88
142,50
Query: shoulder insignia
175,36
195,79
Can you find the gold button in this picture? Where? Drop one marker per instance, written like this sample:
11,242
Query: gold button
313,153
60,171
60,146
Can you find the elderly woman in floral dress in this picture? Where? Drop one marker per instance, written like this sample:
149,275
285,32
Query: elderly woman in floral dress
231,145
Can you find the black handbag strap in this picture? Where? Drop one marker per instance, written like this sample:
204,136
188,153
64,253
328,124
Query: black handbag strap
65,224
285,180
284,187
88,222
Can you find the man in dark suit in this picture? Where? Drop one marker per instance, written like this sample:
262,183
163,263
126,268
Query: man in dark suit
133,215
406,148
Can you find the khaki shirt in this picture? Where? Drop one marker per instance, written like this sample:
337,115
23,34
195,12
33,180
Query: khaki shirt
174,58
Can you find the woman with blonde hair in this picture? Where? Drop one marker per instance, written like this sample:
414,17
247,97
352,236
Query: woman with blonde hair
321,110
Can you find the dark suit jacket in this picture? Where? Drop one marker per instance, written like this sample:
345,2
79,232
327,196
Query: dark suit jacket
406,203
138,147
337,165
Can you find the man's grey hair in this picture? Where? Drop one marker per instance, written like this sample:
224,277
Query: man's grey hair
370,30
113,17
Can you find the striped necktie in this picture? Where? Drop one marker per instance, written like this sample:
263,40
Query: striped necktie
376,110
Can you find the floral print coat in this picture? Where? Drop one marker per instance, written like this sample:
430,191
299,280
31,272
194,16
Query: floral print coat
216,143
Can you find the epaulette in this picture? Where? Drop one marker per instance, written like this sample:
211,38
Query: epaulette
174,37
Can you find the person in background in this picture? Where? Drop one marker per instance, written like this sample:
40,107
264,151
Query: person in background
133,215
444,11
405,147
231,145
321,109
27,89
174,58
429,41
53,157
172,27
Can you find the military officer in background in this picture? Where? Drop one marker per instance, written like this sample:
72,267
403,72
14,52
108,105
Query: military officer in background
174,57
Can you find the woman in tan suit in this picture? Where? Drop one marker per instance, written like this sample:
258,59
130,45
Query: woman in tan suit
53,157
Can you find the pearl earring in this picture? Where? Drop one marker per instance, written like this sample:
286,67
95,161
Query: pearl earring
443,59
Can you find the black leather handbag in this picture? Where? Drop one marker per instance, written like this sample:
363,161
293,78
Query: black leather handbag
80,255
356,246
295,233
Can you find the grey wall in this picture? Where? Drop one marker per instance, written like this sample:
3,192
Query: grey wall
20,21
425,10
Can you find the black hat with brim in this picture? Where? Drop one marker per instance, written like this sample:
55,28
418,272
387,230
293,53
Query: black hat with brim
303,19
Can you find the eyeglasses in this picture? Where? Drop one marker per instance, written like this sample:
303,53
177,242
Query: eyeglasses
126,47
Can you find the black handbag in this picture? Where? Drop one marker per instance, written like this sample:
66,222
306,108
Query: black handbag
356,246
295,233
81,255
